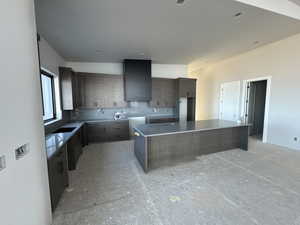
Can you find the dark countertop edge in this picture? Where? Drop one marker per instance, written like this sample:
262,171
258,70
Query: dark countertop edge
189,131
65,140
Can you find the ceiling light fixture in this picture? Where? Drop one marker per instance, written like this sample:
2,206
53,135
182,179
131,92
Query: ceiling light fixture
180,2
238,14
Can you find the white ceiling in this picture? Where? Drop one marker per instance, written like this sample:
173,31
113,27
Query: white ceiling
157,29
284,7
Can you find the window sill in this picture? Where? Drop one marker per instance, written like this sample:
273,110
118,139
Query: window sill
52,121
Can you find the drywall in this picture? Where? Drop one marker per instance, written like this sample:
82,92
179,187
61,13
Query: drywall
284,7
158,70
50,59
24,183
279,60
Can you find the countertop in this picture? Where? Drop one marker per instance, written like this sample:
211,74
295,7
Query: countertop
55,141
184,127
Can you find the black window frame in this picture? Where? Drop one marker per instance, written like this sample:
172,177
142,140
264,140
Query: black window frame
45,73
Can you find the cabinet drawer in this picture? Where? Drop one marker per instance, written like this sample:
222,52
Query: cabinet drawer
118,131
108,131
96,132
162,120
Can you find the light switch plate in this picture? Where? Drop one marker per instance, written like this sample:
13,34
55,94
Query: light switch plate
21,151
2,162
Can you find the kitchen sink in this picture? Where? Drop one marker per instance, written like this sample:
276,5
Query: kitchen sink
65,130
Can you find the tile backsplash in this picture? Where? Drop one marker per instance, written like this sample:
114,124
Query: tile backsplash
133,109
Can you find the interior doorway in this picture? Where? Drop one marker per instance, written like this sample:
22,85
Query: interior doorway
257,94
256,112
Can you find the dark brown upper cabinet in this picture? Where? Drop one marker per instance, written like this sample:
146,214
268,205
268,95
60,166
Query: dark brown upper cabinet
164,93
137,80
69,89
187,87
100,91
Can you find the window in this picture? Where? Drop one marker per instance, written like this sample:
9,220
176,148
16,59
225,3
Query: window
48,94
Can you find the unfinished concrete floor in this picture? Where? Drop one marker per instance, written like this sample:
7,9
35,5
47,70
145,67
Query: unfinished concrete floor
261,186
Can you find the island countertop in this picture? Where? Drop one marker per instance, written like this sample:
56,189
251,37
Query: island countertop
185,127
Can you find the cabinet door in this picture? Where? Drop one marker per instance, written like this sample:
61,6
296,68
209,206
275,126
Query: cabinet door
96,132
191,88
74,150
137,80
67,88
76,90
58,176
84,138
118,130
163,93
187,87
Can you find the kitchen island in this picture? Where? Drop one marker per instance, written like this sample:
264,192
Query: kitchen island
158,145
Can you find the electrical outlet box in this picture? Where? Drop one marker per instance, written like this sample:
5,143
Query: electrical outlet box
21,151
2,162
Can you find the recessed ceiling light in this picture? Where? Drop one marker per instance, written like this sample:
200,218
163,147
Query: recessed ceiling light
180,2
238,14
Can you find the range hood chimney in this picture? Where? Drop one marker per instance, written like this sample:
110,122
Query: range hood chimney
137,80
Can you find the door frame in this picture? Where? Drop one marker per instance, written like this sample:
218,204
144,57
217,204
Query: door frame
267,104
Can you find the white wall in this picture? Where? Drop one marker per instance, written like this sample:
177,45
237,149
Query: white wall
279,60
24,189
158,70
51,61
50,58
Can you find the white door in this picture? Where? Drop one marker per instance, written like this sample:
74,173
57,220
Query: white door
230,101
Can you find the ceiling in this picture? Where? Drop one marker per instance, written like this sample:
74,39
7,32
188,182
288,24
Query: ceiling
161,30
296,1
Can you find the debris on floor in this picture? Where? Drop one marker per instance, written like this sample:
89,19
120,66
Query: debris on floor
174,199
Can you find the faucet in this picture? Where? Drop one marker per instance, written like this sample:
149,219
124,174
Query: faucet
100,110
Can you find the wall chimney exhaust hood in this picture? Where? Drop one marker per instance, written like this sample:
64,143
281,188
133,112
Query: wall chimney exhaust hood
137,80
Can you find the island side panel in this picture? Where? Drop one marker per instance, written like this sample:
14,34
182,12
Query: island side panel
170,149
244,138
219,140
166,150
141,150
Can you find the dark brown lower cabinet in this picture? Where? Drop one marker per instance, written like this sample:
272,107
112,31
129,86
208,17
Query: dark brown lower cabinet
84,140
108,131
162,120
58,175
74,150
